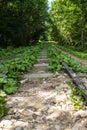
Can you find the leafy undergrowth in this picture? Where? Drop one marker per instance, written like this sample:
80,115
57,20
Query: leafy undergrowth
55,59
77,97
3,111
56,56
2,108
79,54
10,52
54,62
11,72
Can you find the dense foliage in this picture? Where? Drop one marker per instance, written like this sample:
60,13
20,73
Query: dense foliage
12,69
77,97
75,52
22,21
68,21
56,56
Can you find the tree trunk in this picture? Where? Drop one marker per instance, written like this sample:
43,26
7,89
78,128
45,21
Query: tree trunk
83,24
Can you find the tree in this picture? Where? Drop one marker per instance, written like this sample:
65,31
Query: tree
70,20
22,21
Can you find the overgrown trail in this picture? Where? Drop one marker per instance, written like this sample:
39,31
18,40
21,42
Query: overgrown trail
42,102
82,61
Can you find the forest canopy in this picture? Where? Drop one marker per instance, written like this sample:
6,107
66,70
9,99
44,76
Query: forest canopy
68,21
22,21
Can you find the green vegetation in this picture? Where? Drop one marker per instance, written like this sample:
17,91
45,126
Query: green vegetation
68,22
22,22
22,25
2,109
56,56
55,59
11,86
11,71
77,96
54,62
79,54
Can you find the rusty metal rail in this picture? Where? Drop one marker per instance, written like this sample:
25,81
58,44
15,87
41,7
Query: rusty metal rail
75,78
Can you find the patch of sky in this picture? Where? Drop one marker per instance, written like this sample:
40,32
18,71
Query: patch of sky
49,3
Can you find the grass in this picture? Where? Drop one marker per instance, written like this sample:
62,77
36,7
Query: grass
79,53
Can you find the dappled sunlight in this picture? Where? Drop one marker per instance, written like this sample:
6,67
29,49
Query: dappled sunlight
43,103
43,80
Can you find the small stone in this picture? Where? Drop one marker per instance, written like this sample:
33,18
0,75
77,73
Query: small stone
53,109
54,115
25,128
39,119
64,82
24,81
31,109
76,126
59,107
9,117
56,74
44,82
38,128
37,113
57,127
81,113
5,123
7,128
21,123
65,74
29,117
61,103
63,106
68,103
60,76
19,128
60,98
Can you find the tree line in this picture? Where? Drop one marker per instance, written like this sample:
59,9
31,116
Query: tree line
68,22
22,22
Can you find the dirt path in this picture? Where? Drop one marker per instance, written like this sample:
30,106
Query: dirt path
82,61
42,102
